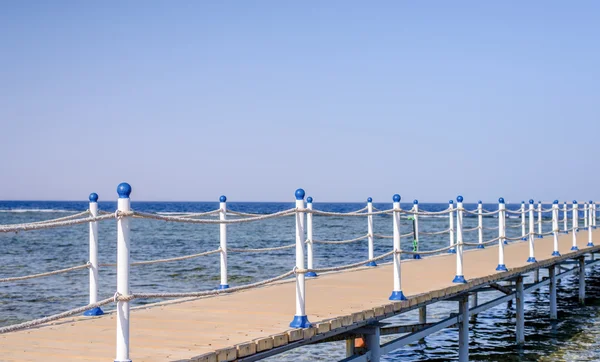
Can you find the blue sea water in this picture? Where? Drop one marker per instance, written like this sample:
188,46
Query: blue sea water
574,338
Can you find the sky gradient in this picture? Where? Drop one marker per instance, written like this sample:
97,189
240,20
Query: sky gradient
191,100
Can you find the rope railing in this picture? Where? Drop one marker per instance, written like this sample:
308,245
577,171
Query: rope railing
363,237
47,225
259,250
485,242
178,258
197,214
46,274
145,215
435,232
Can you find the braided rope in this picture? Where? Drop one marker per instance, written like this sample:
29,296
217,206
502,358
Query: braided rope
491,228
144,215
178,258
436,232
330,213
53,224
341,241
245,214
198,214
482,214
40,275
471,229
483,243
381,236
246,250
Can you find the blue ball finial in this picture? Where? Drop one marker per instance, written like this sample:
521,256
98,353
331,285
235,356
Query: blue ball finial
309,200
415,201
531,201
539,202
223,198
522,202
574,201
591,202
479,202
555,202
459,198
396,198
451,202
369,199
299,194
124,190
93,197
501,200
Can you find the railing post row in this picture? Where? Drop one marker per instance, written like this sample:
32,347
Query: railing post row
93,257
531,258
300,319
397,291
460,276
223,241
123,239
370,231
501,234
575,225
309,239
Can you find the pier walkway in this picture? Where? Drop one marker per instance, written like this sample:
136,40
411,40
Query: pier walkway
234,326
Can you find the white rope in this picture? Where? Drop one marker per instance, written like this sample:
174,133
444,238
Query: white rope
435,233
32,276
381,236
471,229
47,225
330,213
512,211
246,250
244,214
178,258
483,213
198,214
491,228
483,243
341,241
144,215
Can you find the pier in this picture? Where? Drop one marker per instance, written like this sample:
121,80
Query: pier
309,304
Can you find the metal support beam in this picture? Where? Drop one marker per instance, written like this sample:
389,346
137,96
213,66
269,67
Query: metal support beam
582,280
503,289
372,341
463,330
520,312
553,312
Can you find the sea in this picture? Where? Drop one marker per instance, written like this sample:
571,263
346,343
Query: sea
574,337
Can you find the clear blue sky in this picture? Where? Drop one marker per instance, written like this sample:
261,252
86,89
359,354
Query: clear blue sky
253,99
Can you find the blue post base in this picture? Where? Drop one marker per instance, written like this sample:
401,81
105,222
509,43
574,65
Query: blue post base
593,227
540,236
459,279
416,256
531,260
501,267
93,312
300,321
505,242
480,246
590,244
397,296
371,263
524,239
310,274
574,248
451,251
223,286
555,253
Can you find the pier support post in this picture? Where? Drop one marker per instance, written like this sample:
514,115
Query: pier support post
463,330
575,225
300,319
123,237
452,249
372,341
397,292
460,276
501,234
582,280
555,230
370,231
520,311
553,310
93,258
309,237
531,258
480,225
223,242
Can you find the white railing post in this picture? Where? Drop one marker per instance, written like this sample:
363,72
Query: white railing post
309,239
555,228
531,258
397,292
93,258
585,214
590,215
480,225
565,218
501,234
223,241
460,276
370,231
523,222
123,237
416,229
575,225
539,212
300,319
594,217
452,249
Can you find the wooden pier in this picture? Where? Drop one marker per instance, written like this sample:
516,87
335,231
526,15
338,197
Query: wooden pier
253,324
